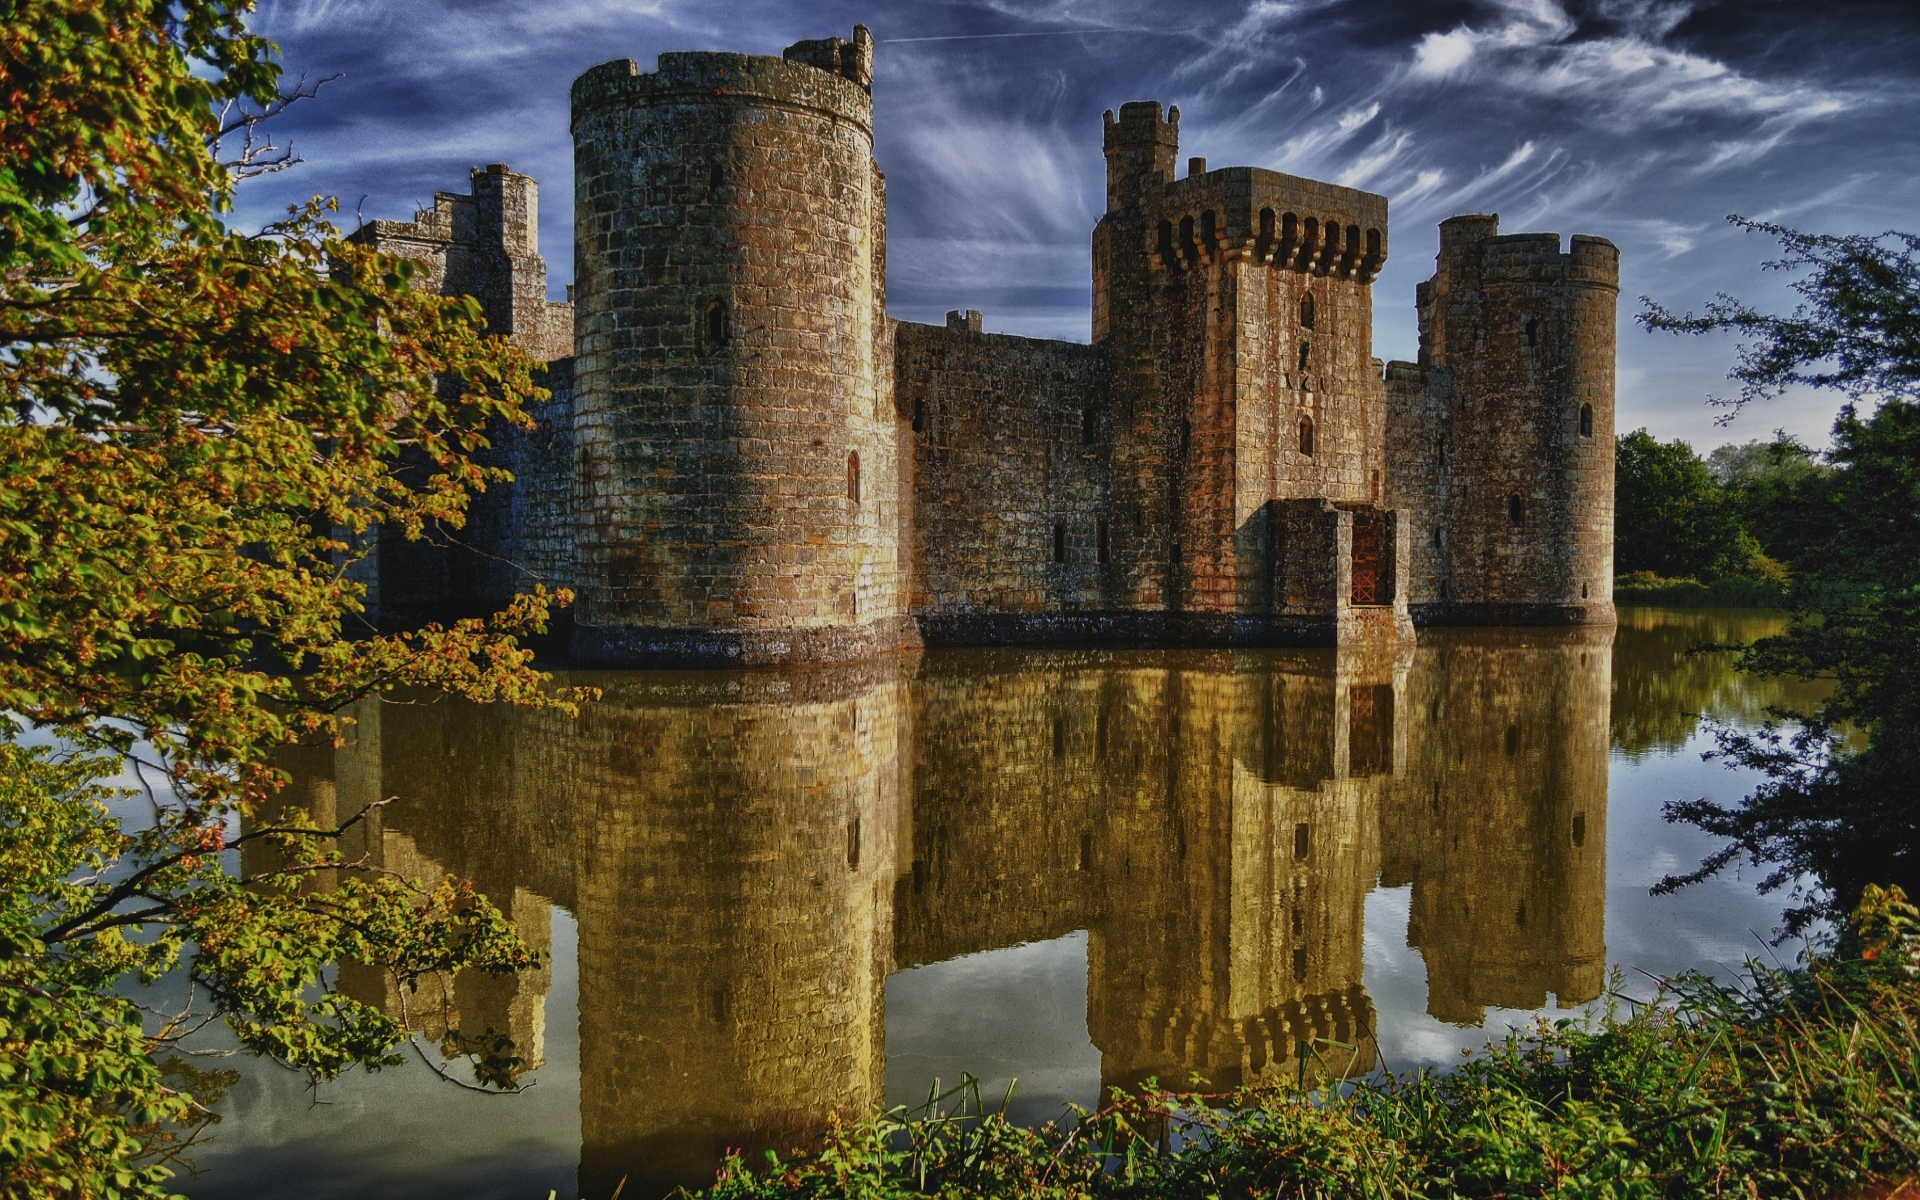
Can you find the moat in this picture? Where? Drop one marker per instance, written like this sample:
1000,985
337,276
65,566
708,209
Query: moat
770,895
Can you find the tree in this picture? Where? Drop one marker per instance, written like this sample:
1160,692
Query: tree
1840,804
1781,490
198,425
1670,515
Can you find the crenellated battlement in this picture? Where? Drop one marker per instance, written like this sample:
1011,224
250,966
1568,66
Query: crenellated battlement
712,77
486,244
850,60
1277,220
1140,149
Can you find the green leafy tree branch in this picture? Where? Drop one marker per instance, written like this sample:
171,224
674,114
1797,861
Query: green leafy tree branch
199,428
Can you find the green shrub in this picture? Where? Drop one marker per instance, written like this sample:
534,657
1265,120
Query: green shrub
1645,587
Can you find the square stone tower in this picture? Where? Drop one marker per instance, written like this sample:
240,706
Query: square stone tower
1236,307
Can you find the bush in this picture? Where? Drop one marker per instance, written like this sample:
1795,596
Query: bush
1645,587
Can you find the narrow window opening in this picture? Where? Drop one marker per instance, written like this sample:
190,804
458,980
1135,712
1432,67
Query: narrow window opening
1306,353
1436,537
1443,589
1530,332
1167,256
1103,555
1306,311
1516,509
1299,923
1059,541
1583,591
1139,519
853,844
1089,426
919,414
1302,841
1059,737
1306,436
1579,829
1513,739
1300,968
1586,420
717,177
1086,852
714,331
853,477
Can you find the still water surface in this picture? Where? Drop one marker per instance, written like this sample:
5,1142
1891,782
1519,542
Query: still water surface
772,895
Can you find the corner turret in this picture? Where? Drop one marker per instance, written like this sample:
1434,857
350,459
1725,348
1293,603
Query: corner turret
1140,151
1503,433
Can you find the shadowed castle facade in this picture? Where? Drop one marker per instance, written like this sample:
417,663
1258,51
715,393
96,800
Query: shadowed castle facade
747,462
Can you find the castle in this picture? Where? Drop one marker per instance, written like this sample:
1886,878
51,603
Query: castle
746,461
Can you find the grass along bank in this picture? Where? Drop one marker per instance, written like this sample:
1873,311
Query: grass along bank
1645,587
1797,1083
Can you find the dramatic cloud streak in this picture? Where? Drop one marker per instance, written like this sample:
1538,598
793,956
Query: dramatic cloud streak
1641,120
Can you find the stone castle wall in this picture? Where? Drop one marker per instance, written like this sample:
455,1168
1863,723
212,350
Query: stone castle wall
1010,479
748,463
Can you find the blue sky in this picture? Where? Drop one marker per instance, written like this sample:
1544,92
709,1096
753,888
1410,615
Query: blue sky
1641,121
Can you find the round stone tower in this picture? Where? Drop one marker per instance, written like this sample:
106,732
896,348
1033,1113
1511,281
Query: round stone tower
1527,332
738,489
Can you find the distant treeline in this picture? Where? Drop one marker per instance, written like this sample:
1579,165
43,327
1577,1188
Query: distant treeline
1728,529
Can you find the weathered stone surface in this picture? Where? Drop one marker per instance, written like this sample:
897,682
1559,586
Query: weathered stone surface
759,467
1501,437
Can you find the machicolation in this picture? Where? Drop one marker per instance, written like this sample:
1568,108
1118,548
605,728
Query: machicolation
746,461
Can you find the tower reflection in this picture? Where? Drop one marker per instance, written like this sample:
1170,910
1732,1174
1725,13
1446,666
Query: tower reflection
750,855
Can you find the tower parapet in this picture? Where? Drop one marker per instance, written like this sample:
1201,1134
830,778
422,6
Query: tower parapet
486,244
738,471
1140,149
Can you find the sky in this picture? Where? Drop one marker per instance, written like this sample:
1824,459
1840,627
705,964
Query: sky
1640,121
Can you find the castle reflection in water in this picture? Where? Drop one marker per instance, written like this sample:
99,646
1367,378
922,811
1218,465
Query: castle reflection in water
750,855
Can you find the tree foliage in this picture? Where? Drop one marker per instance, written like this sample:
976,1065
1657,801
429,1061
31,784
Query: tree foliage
198,428
1840,804
1671,516
1782,492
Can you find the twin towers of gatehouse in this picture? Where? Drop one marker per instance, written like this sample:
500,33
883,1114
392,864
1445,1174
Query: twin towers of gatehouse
746,461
